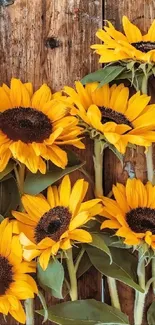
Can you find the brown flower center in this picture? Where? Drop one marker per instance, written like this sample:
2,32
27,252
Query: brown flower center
53,224
141,220
6,275
144,46
109,115
25,124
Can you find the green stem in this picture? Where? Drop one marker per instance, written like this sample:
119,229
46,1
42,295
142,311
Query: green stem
29,308
140,297
72,275
78,260
20,177
153,274
113,293
149,164
98,167
144,88
29,303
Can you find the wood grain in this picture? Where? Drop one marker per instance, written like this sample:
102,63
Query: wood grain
142,14
27,29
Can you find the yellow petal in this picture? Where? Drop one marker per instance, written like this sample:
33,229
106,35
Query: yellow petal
80,235
6,238
41,97
35,206
46,243
16,92
18,314
65,191
44,258
79,220
50,197
76,196
132,32
111,224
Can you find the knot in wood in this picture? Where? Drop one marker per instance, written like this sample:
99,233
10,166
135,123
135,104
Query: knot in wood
52,42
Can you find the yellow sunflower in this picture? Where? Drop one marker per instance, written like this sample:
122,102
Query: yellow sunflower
133,45
53,223
15,284
132,212
111,112
34,125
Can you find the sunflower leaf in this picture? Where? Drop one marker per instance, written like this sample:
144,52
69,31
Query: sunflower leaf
84,266
151,314
36,183
52,278
104,76
9,196
7,170
85,312
98,242
123,267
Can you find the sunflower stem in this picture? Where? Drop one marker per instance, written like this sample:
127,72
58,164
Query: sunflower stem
79,259
20,177
140,297
72,275
98,167
149,164
113,293
153,274
29,309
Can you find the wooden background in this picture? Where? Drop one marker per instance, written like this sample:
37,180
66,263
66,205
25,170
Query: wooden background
27,30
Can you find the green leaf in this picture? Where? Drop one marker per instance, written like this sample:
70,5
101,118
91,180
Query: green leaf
36,183
85,312
99,242
105,75
151,314
9,196
123,267
84,266
52,277
114,241
7,170
111,74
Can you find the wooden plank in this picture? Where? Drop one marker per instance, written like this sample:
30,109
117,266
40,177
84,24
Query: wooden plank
141,13
28,30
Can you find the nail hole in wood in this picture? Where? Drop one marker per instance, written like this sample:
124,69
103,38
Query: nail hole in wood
52,42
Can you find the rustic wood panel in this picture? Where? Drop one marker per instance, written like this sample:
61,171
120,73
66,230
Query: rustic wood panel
141,13
28,30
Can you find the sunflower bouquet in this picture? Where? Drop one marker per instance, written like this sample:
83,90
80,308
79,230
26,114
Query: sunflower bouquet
48,227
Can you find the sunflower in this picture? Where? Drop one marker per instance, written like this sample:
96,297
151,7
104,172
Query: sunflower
15,284
34,125
53,223
132,212
133,45
111,112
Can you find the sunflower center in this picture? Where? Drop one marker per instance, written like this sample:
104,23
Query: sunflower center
53,224
6,275
141,220
144,46
26,124
109,115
